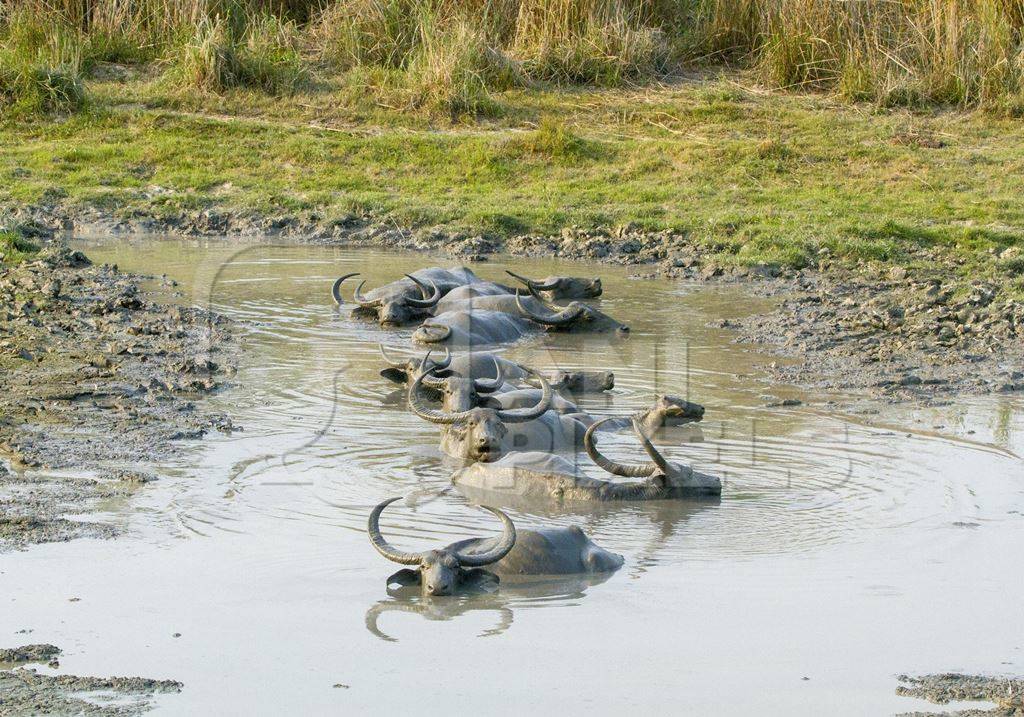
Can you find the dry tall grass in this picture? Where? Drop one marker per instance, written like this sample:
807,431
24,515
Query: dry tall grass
962,52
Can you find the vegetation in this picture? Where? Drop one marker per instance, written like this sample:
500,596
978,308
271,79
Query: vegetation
451,56
510,116
14,248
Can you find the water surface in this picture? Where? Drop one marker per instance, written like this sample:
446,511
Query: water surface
845,549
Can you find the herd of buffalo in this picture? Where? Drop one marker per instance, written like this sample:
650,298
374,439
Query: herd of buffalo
515,429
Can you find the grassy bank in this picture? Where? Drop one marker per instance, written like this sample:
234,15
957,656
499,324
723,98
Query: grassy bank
749,176
778,131
14,248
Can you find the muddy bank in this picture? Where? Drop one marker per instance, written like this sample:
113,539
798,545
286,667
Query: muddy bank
25,691
1006,693
895,336
97,380
891,332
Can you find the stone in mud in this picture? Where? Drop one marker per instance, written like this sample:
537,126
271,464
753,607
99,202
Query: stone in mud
29,653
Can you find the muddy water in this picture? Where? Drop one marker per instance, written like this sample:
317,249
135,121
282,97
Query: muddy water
845,549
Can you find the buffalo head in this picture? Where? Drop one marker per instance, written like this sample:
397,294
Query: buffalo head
476,433
461,393
561,287
444,571
395,304
577,316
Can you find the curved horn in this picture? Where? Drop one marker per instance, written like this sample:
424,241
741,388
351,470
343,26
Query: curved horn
434,382
559,318
501,547
490,385
533,284
519,415
438,366
430,414
382,546
427,301
659,460
445,362
336,289
435,334
390,361
362,300
613,467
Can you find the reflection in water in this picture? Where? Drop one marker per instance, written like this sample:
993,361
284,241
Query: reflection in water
321,419
832,533
504,602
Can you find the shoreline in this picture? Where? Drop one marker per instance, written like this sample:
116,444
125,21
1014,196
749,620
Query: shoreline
891,332
99,377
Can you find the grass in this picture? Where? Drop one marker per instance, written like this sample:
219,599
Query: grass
450,56
14,248
749,176
780,131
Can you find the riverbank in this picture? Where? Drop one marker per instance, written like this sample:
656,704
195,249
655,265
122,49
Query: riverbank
97,380
912,217
921,332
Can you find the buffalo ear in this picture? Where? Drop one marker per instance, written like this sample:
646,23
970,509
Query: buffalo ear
396,375
480,579
404,578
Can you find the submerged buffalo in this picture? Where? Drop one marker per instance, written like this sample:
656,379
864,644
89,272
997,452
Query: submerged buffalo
577,381
466,296
545,478
576,317
407,300
459,393
667,411
500,319
551,551
484,434
483,364
554,288
468,329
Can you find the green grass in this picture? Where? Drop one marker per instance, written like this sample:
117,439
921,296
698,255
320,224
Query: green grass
751,177
14,248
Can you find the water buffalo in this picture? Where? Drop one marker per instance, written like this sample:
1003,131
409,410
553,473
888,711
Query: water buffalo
407,300
484,434
473,328
554,288
667,411
541,477
476,364
577,317
463,297
459,393
481,364
551,551
577,381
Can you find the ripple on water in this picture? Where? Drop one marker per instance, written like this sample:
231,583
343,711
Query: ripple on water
326,437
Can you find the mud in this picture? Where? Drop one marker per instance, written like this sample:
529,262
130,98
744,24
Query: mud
29,653
96,378
1006,693
28,692
922,338
898,333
